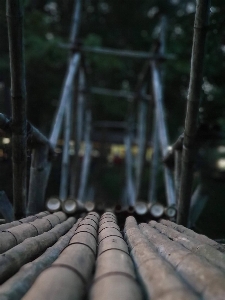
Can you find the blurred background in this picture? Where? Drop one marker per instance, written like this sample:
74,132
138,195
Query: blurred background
132,25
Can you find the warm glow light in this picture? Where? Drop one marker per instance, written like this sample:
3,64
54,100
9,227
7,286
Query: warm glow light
5,141
221,164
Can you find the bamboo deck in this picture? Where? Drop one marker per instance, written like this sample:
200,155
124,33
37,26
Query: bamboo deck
92,258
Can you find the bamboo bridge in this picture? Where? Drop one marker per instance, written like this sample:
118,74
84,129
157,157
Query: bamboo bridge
68,248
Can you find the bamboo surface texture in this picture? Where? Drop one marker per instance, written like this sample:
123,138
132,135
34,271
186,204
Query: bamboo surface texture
114,267
70,274
94,259
11,237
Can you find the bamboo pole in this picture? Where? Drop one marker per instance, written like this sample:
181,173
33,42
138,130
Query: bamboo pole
24,220
87,157
204,279
152,194
78,132
164,280
14,12
63,192
13,236
163,136
117,94
53,204
118,52
214,256
156,209
72,69
191,121
34,137
131,194
69,275
17,286
15,258
70,206
68,111
113,267
141,141
204,239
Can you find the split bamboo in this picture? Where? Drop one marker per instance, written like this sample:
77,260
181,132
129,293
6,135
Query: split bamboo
191,121
13,236
113,267
163,282
16,287
14,14
205,279
12,260
68,276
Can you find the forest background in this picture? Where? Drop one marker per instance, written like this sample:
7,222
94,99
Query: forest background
127,24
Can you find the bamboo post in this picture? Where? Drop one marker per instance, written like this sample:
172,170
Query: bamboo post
131,194
18,99
87,157
68,111
163,136
191,121
177,172
141,141
39,173
152,195
79,111
63,192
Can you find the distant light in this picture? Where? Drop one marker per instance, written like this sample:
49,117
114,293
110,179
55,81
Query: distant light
169,148
221,164
5,141
58,150
221,149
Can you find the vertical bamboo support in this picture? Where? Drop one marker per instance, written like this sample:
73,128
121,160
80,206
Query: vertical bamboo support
78,131
63,193
39,173
177,172
68,111
142,115
87,157
191,121
163,136
131,193
154,164
18,98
